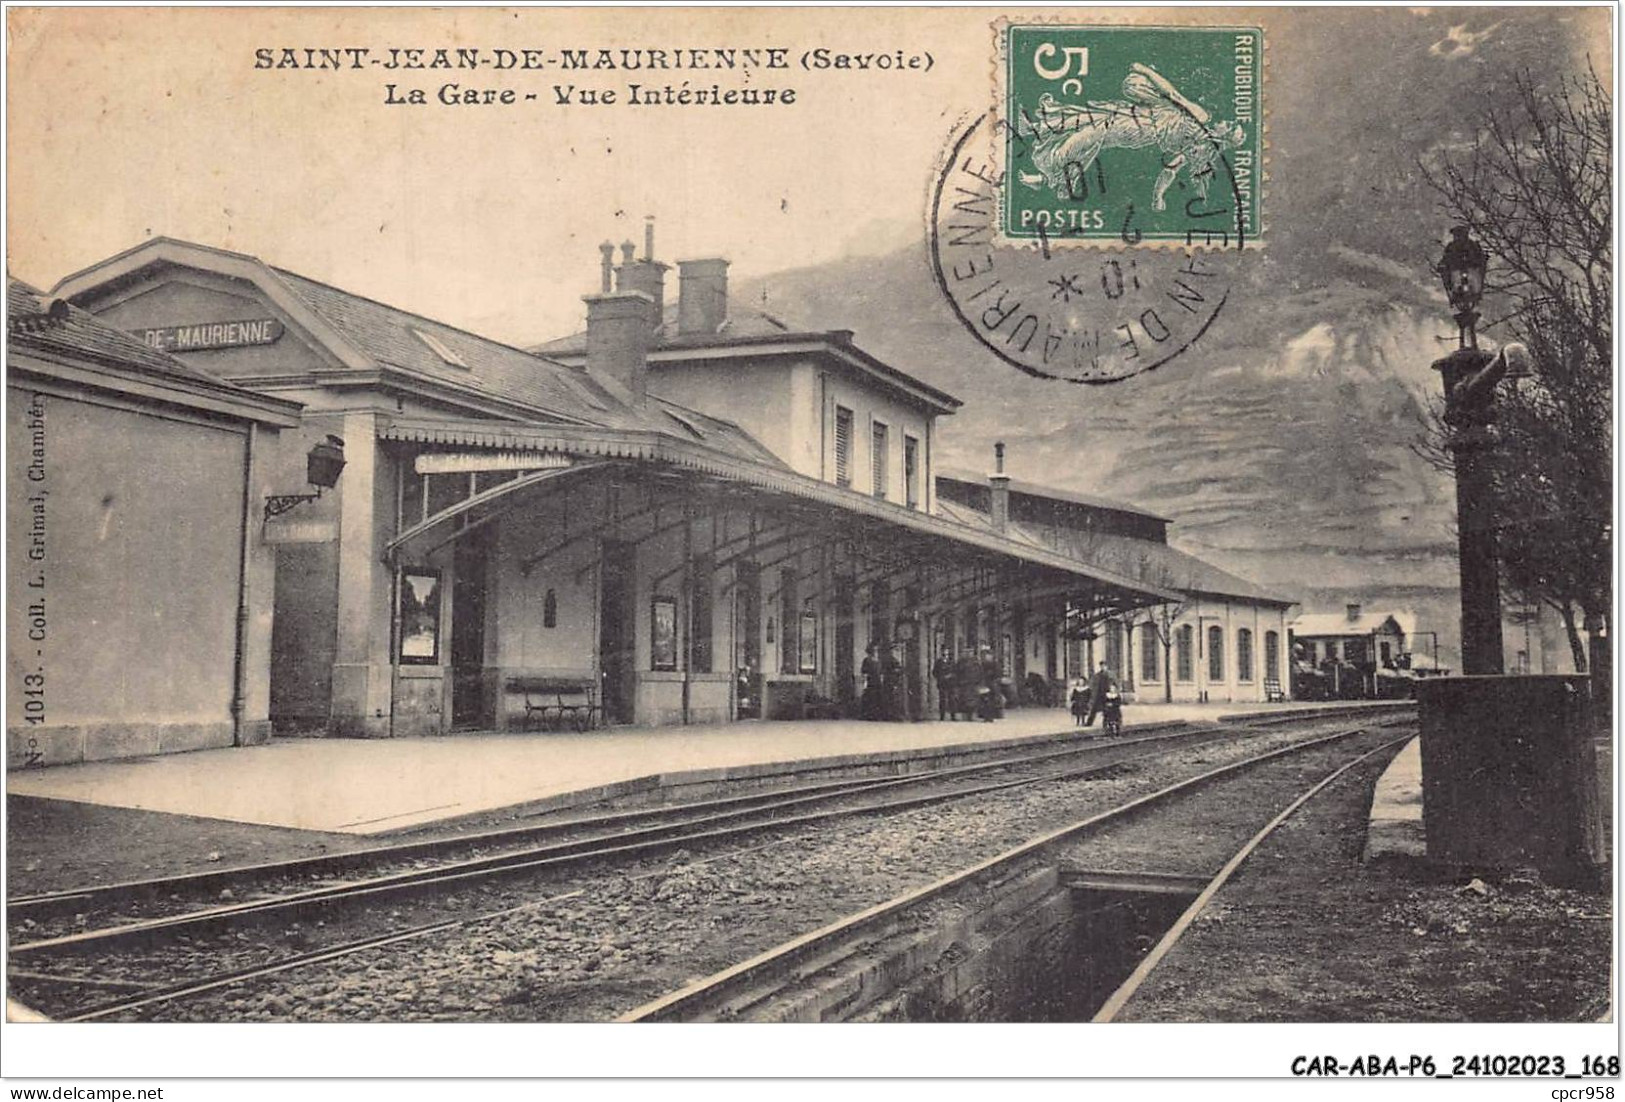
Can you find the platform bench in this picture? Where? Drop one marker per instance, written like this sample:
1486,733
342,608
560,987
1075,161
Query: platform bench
559,701
1272,691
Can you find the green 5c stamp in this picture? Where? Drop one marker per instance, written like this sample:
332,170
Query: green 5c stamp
1130,135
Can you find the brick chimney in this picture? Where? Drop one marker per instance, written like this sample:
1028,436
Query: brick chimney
1353,611
618,339
644,274
999,489
702,295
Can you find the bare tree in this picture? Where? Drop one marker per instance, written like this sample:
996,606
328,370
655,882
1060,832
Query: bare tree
1535,187
1161,619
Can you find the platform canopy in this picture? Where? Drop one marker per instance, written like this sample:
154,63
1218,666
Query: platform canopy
497,467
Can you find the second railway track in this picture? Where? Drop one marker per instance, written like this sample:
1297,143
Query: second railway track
144,953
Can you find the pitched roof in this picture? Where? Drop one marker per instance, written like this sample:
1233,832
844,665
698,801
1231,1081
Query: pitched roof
1033,489
390,335
747,326
80,333
537,388
1154,562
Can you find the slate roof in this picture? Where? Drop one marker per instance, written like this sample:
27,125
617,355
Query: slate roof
1152,562
80,333
386,334
744,326
1033,489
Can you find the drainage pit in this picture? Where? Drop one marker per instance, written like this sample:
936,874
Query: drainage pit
1055,955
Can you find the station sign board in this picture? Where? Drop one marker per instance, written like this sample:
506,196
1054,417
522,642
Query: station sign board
212,334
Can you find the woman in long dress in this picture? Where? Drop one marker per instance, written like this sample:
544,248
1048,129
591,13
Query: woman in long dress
872,704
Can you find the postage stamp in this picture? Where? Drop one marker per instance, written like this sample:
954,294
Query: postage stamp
1132,134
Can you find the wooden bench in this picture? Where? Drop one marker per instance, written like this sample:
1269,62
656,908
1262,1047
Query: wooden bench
559,701
1272,691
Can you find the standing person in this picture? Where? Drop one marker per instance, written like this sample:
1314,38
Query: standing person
967,679
869,707
992,704
942,673
896,684
1099,685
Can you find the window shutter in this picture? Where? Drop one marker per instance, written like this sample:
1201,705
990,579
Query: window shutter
843,446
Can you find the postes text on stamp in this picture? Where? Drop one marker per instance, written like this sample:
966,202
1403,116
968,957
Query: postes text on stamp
1129,135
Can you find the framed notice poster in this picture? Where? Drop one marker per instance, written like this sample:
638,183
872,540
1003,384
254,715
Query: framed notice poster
809,641
663,634
420,616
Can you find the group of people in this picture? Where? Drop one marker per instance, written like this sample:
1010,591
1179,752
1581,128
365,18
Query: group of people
970,686
885,684
1089,701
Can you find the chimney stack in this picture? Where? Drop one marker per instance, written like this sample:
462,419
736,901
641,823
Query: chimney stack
618,339
1353,611
702,295
999,489
645,275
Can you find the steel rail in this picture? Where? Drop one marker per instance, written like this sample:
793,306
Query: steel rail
75,899
691,1003
631,843
1127,989
151,995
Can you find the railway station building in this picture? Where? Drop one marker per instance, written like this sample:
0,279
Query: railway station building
688,512
139,588
1222,641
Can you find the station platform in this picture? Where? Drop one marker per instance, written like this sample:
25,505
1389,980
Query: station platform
1396,828
371,787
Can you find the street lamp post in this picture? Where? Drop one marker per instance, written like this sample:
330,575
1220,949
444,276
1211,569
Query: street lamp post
1470,378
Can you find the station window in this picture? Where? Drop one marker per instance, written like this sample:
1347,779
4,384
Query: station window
911,472
1244,654
843,446
1150,653
1272,655
1184,643
1215,653
877,464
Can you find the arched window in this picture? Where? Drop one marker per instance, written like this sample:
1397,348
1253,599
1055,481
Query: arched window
1244,654
1150,653
1215,654
1184,643
1272,655
1114,647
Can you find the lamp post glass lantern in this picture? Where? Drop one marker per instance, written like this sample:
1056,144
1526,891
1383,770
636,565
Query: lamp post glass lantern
1470,377
1462,271
323,465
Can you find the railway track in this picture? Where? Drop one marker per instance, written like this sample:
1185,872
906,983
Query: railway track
618,837
577,839
839,957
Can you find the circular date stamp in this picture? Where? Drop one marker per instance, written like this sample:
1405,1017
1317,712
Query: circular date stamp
1089,237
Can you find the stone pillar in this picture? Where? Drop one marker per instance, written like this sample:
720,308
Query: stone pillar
361,673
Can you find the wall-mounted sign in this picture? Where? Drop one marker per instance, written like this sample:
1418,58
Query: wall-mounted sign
212,334
463,462
300,531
